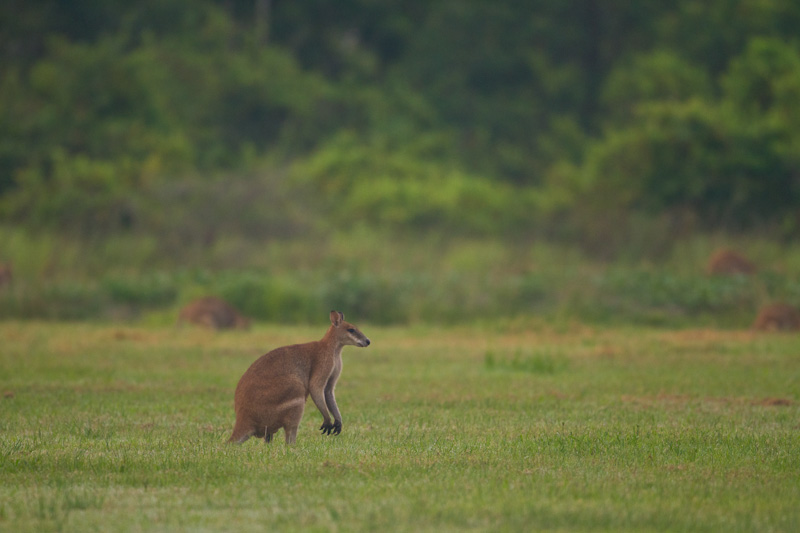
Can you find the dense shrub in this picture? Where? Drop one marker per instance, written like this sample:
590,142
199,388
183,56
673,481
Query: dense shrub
268,298
149,291
412,187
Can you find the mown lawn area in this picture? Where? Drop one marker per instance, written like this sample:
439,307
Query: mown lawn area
519,426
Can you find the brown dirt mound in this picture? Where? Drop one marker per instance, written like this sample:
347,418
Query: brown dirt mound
214,313
777,317
5,274
727,262
775,402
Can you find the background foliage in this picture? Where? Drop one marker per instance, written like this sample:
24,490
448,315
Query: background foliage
189,131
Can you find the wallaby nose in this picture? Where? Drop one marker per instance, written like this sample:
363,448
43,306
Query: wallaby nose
367,343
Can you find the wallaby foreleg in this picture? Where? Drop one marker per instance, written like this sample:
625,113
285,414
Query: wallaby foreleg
330,400
319,400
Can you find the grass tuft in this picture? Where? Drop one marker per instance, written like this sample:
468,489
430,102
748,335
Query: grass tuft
532,363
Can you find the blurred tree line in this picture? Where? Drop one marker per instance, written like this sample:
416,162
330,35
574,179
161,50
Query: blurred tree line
472,116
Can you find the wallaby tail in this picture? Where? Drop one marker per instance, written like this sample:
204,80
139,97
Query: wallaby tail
240,435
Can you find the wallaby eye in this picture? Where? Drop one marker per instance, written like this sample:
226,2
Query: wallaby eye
351,330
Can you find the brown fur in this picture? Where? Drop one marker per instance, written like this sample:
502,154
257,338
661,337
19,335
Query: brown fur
214,313
6,274
272,393
777,317
726,262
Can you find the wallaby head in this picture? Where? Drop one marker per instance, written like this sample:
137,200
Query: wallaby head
345,333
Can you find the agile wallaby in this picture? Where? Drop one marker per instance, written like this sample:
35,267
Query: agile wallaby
272,393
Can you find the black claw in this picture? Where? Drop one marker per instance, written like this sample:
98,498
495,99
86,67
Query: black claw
331,429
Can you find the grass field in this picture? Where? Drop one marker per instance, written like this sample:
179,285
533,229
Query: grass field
519,426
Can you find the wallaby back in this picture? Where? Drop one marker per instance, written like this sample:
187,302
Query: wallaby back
272,393
214,313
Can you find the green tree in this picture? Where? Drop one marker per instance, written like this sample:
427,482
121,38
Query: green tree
732,160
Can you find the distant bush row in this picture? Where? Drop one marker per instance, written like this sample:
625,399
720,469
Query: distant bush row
615,295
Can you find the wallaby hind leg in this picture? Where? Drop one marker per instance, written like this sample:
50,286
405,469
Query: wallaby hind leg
291,421
291,434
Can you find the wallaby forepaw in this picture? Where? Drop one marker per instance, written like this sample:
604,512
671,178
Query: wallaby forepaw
337,427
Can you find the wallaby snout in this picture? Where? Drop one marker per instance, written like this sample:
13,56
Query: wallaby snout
361,343
272,393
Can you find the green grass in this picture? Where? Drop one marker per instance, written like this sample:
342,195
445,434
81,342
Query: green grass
518,427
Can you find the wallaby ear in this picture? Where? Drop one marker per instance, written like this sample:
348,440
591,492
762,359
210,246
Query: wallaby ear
336,318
